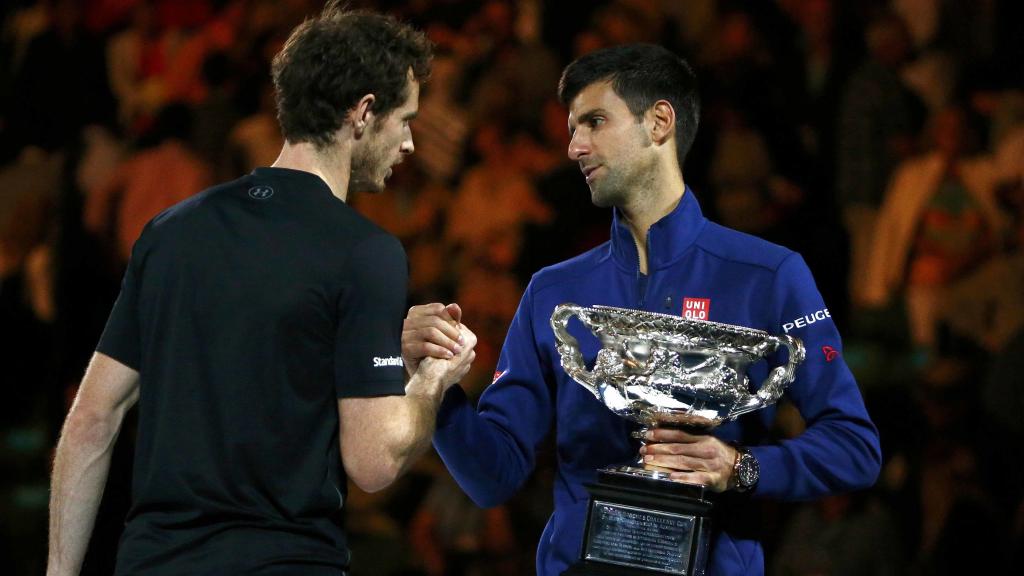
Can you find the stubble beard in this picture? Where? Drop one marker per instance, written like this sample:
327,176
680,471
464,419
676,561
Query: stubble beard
632,179
619,188
607,192
368,170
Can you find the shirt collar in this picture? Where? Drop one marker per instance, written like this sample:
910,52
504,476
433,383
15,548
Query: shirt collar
667,239
305,180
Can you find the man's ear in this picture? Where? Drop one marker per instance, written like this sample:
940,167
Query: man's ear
362,115
662,118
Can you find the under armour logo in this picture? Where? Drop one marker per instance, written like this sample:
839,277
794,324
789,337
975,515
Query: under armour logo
830,353
261,192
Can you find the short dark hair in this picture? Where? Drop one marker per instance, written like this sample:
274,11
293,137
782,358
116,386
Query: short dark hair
331,61
641,74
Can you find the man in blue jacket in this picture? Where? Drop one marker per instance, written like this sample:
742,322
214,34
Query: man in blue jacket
633,115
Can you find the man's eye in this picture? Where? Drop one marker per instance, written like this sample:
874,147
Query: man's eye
596,121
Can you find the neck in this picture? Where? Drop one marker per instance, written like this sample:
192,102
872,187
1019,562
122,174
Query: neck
652,204
333,164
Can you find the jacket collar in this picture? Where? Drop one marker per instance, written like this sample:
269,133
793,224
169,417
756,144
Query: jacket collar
667,239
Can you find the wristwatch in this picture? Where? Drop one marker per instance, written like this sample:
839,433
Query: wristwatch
745,471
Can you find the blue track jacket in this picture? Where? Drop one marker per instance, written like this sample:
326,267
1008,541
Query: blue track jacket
716,274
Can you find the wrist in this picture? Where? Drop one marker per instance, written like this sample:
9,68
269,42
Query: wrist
427,388
746,471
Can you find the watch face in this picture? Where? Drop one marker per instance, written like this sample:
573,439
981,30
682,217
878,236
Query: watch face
747,470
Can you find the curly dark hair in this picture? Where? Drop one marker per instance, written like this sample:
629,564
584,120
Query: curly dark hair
640,74
331,61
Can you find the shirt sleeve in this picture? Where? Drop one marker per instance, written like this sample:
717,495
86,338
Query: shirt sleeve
368,351
491,450
121,338
839,449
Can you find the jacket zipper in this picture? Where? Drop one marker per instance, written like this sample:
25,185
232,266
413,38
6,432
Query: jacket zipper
643,281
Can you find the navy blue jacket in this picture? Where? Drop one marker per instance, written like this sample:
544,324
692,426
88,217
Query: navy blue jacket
717,274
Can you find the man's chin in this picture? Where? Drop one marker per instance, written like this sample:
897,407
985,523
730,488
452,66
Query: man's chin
366,186
602,199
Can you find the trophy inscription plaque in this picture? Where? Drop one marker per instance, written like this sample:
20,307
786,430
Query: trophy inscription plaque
666,371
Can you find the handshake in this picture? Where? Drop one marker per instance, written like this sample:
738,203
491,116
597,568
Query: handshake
436,345
438,351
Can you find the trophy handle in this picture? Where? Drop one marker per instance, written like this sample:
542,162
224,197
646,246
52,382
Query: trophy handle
569,347
780,377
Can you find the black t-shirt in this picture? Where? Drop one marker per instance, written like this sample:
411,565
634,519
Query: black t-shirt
248,310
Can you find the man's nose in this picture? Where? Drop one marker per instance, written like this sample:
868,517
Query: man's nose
578,146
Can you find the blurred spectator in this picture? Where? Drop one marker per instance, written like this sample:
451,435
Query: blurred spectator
255,140
939,221
413,210
61,83
986,306
217,114
819,74
26,302
876,133
1009,158
933,76
519,73
1004,110
957,517
840,536
749,195
575,227
34,174
442,125
493,202
147,182
742,75
130,68
26,316
454,537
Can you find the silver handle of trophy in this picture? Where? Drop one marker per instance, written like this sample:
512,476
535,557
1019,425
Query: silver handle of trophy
780,377
569,347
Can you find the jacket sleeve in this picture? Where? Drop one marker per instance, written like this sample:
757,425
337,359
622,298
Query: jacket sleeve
839,449
490,450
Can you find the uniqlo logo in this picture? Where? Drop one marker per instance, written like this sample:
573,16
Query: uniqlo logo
696,308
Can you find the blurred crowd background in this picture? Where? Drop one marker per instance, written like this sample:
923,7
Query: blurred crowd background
882,139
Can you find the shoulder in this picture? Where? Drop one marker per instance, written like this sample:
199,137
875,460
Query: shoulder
982,166
377,244
573,269
928,162
194,204
741,249
177,220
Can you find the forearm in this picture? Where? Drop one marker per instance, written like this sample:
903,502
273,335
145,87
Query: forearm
828,458
79,476
489,456
381,437
410,435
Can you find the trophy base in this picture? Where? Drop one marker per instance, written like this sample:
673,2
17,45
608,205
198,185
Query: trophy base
648,471
639,523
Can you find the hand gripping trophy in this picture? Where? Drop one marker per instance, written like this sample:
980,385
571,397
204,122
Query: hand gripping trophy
661,370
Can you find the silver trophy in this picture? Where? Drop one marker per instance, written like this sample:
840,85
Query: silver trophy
662,371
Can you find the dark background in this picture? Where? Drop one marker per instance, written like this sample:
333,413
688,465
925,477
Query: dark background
111,110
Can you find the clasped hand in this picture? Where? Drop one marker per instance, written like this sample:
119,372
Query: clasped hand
435,331
694,458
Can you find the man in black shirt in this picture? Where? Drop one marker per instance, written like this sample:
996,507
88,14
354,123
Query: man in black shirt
258,328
